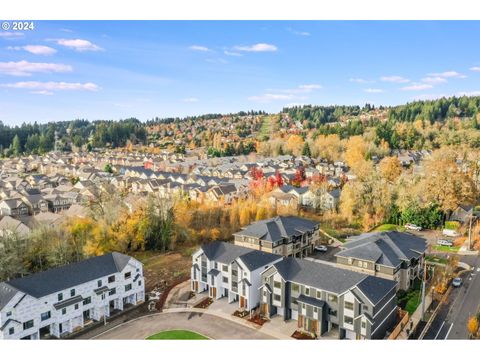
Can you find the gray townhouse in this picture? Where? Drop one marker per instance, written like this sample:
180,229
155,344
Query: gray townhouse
225,269
323,298
392,255
281,235
61,300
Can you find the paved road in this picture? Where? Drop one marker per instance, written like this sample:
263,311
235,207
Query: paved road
451,319
329,255
209,325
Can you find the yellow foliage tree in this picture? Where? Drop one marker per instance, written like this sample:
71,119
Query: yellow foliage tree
472,325
390,168
294,145
356,150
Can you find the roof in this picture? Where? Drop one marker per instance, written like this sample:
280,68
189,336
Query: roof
318,275
375,288
256,259
311,301
68,276
278,228
68,302
7,292
223,252
386,248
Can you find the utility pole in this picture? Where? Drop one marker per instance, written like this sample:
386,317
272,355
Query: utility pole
470,233
423,287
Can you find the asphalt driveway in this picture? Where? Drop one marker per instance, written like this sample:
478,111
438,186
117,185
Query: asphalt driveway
209,325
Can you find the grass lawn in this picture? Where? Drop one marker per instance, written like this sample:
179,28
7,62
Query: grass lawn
265,128
389,227
435,259
177,335
452,249
414,300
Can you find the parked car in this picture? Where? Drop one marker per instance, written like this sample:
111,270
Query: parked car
444,242
413,227
450,232
321,248
457,282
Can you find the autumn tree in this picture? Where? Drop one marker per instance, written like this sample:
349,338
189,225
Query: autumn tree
390,168
294,145
472,325
356,151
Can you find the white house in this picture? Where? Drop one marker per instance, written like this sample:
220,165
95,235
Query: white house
225,269
61,300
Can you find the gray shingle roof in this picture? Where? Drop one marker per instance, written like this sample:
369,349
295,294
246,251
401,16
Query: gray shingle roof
256,259
68,276
375,288
223,252
68,302
7,292
278,228
385,248
310,301
318,275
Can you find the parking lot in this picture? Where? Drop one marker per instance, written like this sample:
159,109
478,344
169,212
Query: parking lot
329,255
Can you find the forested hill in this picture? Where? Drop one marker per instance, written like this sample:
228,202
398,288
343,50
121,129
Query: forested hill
342,120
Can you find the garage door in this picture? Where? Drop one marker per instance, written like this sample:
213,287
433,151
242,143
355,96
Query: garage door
294,314
349,334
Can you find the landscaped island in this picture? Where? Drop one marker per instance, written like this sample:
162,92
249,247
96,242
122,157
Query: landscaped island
177,335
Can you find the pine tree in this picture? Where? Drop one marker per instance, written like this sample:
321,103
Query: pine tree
306,150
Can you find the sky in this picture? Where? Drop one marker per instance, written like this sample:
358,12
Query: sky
64,70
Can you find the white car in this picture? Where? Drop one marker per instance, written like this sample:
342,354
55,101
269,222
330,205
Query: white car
321,248
449,232
444,242
413,227
457,282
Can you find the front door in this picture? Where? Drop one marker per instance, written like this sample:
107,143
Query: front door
243,302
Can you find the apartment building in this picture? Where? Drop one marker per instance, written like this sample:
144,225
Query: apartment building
225,269
390,255
61,300
281,235
324,298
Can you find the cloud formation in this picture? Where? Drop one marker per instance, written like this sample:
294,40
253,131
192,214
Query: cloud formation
373,91
35,49
297,93
394,79
26,68
50,86
10,35
190,100
360,80
475,68
79,45
260,47
448,74
417,87
199,48
434,80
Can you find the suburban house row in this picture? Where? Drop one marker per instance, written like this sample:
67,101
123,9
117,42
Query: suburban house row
61,300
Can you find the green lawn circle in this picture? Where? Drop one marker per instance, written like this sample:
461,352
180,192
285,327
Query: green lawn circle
177,335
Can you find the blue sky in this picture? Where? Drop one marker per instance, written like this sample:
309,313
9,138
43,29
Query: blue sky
112,70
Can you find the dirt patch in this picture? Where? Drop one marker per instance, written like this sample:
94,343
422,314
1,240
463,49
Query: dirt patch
204,303
300,335
257,319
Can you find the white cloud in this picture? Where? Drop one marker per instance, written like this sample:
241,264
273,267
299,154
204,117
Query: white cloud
429,96
475,68
35,49
271,97
448,74
260,47
360,80
217,61
434,80
78,45
199,48
232,53
190,100
25,68
309,87
373,91
417,87
41,92
300,33
394,79
51,86
10,35
297,93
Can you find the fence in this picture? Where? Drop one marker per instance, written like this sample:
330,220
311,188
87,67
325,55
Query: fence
404,317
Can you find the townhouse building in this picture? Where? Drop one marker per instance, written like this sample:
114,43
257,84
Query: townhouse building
61,300
323,298
392,255
225,269
281,235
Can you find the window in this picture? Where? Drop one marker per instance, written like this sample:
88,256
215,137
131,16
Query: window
103,296
276,297
225,268
234,272
332,312
111,279
60,297
365,265
348,320
11,331
365,308
45,316
303,306
9,314
128,287
215,265
332,298
140,283
64,311
315,310
319,294
360,263
364,324
87,300
295,288
225,279
294,301
277,284
307,291
112,291
72,292
99,283
348,305
76,306
128,275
